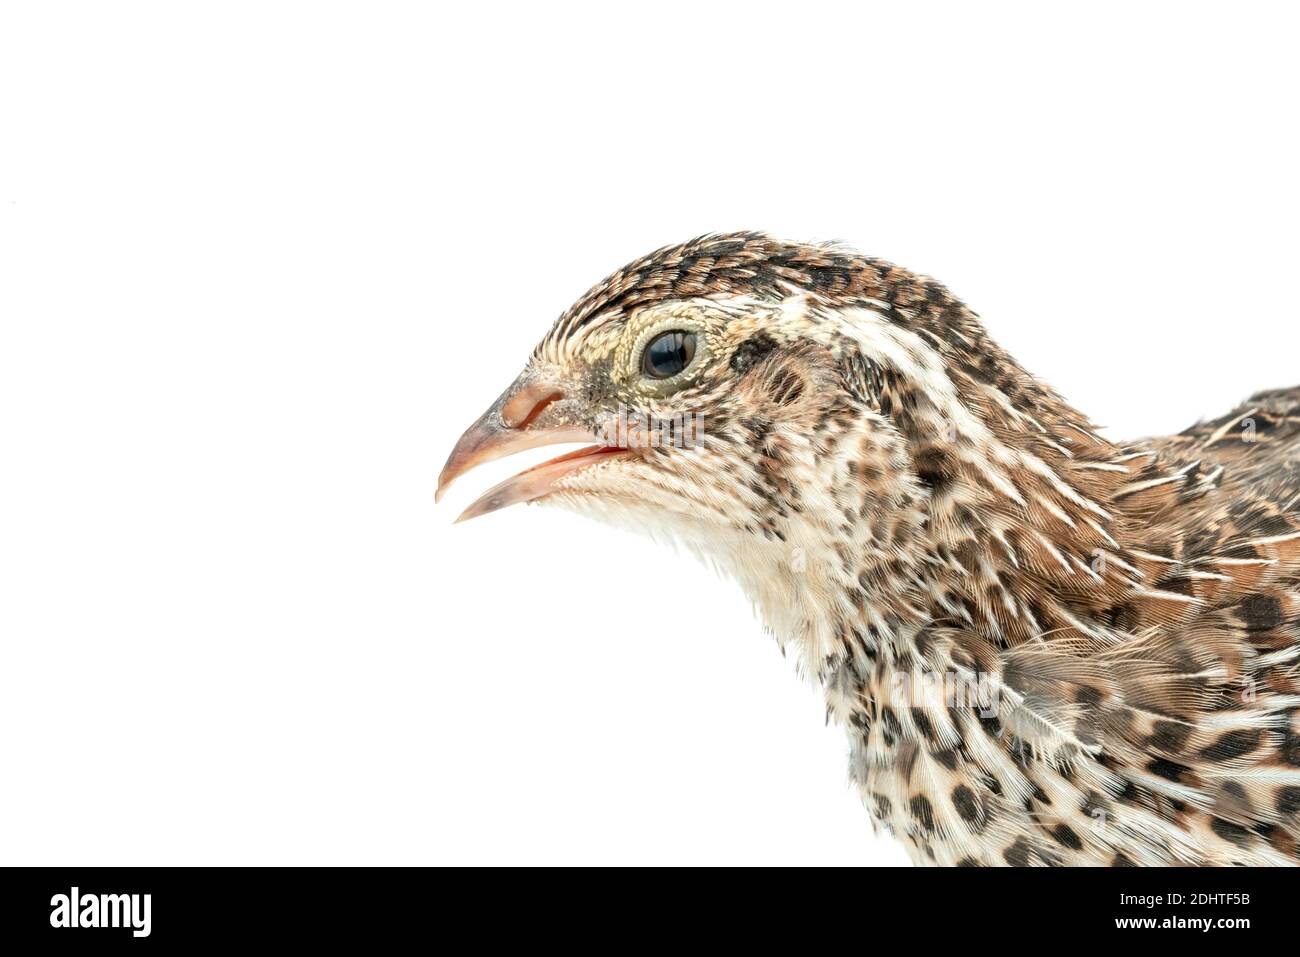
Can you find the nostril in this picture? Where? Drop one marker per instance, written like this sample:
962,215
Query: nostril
522,409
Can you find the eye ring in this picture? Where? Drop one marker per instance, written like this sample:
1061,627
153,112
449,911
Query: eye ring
669,354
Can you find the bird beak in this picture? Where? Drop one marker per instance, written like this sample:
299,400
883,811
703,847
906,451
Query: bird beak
515,423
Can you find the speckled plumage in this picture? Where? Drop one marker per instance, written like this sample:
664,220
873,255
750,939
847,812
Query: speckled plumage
1045,648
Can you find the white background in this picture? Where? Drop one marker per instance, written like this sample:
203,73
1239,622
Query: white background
260,264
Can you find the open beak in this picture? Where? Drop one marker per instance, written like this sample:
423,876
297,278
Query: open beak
515,423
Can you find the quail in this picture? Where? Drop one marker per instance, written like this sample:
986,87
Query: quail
1045,647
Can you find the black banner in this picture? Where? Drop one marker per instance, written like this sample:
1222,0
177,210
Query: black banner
141,907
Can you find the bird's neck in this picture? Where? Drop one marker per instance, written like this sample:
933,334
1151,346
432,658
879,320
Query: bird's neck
968,502
996,544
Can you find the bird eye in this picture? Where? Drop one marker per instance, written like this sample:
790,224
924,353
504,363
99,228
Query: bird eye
668,354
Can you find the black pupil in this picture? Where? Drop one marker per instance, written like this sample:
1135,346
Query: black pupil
669,354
